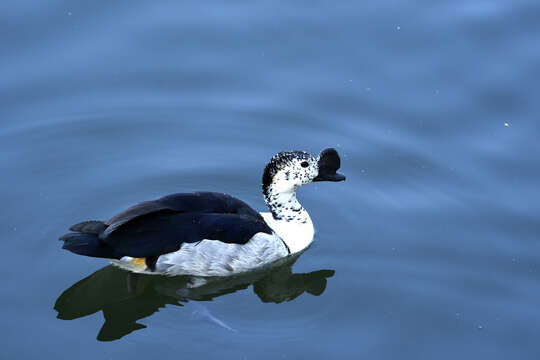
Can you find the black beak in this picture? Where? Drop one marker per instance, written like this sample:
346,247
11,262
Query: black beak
329,162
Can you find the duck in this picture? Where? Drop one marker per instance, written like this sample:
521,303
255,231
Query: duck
211,234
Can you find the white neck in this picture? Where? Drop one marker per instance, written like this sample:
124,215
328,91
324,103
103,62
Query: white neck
289,220
284,206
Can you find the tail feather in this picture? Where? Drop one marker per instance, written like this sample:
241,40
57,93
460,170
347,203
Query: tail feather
89,227
88,245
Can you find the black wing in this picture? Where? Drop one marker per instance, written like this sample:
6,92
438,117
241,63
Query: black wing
158,227
199,202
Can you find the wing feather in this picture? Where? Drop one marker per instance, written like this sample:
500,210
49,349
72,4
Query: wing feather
199,202
157,227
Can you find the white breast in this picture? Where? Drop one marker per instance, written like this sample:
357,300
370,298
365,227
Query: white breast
297,236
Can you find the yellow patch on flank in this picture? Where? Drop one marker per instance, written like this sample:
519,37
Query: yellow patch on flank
139,262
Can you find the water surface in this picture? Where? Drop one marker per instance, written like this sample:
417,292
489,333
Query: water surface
428,250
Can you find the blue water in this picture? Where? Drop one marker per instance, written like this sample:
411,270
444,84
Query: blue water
429,250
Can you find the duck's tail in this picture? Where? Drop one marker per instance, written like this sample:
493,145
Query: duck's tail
84,240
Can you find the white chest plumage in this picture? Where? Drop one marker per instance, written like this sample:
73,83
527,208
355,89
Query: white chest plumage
296,235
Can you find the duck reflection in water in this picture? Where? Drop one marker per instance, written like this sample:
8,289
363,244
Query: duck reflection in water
125,297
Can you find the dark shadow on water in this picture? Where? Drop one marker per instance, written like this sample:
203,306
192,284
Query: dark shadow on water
126,297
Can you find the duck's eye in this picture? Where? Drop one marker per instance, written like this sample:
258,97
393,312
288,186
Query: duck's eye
304,164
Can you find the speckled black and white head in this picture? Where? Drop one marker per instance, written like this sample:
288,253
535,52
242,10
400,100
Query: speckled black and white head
287,171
